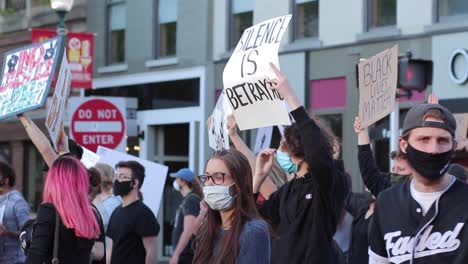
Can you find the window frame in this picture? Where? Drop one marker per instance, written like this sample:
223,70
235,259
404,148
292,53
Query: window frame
230,25
294,27
448,18
108,53
157,32
369,26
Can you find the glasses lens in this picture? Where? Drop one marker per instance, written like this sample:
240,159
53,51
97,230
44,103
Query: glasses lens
218,178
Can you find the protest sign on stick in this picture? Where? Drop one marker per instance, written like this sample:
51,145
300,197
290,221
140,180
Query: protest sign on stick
462,126
218,137
377,86
89,158
26,76
58,107
263,140
246,75
156,174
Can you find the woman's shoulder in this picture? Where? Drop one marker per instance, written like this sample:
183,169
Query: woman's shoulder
255,226
45,212
254,232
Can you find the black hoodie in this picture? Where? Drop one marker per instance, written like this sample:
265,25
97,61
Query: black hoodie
305,210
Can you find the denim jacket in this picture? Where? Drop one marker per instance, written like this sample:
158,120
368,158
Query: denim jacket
15,215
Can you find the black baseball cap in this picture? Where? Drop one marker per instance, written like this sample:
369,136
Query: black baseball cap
414,118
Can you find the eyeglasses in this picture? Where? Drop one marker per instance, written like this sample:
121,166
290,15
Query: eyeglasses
122,177
217,178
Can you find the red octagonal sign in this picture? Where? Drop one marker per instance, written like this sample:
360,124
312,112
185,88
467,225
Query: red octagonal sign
97,122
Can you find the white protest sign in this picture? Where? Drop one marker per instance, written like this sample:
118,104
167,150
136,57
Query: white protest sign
263,139
218,137
58,107
26,77
156,174
377,86
246,75
89,158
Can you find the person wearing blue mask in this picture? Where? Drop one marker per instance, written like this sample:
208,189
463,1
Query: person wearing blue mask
233,231
304,211
185,183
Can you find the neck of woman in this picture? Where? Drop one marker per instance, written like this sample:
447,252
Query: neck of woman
226,218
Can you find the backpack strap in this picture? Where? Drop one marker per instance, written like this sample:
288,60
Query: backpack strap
55,259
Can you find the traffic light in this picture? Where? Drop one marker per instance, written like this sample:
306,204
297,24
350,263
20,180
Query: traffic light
413,74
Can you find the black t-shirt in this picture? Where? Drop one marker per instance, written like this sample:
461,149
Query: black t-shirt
190,206
127,226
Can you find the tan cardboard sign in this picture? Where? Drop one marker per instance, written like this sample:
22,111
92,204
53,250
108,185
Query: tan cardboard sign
377,86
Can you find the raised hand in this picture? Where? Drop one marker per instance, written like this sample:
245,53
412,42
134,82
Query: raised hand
281,84
433,99
208,122
358,125
264,162
62,145
231,125
363,135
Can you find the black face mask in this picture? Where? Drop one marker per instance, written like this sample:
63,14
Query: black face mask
122,188
429,166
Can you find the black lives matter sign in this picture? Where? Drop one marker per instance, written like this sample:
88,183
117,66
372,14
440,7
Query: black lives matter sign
377,86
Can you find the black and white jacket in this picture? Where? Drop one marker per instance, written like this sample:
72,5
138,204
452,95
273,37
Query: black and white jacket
440,235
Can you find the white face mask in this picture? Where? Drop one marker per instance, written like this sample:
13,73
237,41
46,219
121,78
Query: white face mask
176,185
218,197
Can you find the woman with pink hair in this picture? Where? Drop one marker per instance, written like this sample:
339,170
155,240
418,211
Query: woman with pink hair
65,193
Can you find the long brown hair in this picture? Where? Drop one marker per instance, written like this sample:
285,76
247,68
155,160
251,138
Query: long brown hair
244,207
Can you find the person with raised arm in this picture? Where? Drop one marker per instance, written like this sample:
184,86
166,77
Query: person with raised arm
305,210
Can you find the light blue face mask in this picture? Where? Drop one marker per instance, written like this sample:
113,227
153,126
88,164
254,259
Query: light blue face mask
284,160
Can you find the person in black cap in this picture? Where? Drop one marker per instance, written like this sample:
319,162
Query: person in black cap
423,220
189,208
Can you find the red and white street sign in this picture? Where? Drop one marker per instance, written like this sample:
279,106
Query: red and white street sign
98,122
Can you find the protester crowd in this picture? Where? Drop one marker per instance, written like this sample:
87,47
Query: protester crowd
293,204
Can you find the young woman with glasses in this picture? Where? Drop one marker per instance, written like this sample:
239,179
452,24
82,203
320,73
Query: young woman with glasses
233,231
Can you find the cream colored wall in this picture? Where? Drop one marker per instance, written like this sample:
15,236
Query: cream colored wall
340,21
442,49
220,9
413,15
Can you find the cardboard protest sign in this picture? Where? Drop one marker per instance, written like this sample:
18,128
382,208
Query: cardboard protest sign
218,137
156,174
247,72
377,86
263,140
89,158
26,76
462,126
58,107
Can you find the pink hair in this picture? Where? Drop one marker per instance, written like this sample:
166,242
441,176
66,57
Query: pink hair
66,187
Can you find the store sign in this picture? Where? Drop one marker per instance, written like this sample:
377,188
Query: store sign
80,48
452,71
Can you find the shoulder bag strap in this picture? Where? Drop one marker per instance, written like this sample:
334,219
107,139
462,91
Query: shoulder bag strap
55,259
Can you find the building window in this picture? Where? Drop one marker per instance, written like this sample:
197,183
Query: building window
241,19
117,22
381,13
452,8
306,18
167,18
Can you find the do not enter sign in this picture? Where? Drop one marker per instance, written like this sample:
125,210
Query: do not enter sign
97,122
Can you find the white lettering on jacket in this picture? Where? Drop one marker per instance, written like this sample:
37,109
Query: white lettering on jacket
399,248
